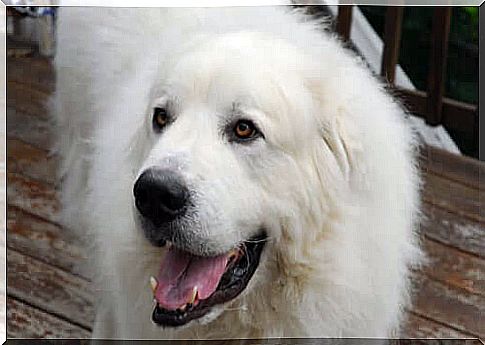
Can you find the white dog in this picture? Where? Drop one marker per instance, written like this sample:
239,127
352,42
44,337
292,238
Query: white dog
242,159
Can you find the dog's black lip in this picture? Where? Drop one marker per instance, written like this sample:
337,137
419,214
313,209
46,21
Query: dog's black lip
230,286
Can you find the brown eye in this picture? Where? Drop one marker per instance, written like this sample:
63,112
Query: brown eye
160,118
245,129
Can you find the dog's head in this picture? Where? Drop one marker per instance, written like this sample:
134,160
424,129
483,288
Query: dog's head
238,173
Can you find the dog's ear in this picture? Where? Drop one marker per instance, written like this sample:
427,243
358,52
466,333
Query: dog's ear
335,139
339,135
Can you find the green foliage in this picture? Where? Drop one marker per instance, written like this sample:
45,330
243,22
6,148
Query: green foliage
465,24
472,13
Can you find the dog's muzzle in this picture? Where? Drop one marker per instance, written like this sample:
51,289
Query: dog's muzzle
191,279
160,195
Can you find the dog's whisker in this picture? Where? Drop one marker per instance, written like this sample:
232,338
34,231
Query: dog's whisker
242,308
258,241
246,257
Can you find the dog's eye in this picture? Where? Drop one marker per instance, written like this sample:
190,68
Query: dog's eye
245,129
160,118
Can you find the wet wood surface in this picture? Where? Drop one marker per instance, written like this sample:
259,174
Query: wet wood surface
50,296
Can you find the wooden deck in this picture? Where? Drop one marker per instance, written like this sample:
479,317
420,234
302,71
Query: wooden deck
48,297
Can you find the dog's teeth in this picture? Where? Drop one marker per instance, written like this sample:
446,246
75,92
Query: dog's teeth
153,284
234,253
194,295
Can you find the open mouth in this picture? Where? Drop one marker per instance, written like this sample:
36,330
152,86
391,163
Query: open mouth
188,286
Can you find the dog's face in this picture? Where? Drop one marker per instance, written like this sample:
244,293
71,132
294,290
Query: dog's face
227,167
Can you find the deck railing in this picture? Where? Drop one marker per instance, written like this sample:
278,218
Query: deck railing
429,104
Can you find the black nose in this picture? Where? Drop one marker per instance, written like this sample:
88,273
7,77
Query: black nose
160,195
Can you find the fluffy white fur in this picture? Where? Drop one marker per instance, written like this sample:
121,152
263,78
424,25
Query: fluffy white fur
334,181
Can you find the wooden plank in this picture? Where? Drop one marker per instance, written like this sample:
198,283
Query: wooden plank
27,99
50,289
468,171
413,100
458,116
437,65
19,47
25,321
31,162
416,326
454,268
449,306
448,228
34,72
452,196
344,21
29,128
45,241
392,42
32,196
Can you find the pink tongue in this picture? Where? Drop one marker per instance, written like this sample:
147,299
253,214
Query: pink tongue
180,272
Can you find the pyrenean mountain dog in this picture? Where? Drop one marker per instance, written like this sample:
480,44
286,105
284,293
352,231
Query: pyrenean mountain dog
239,173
